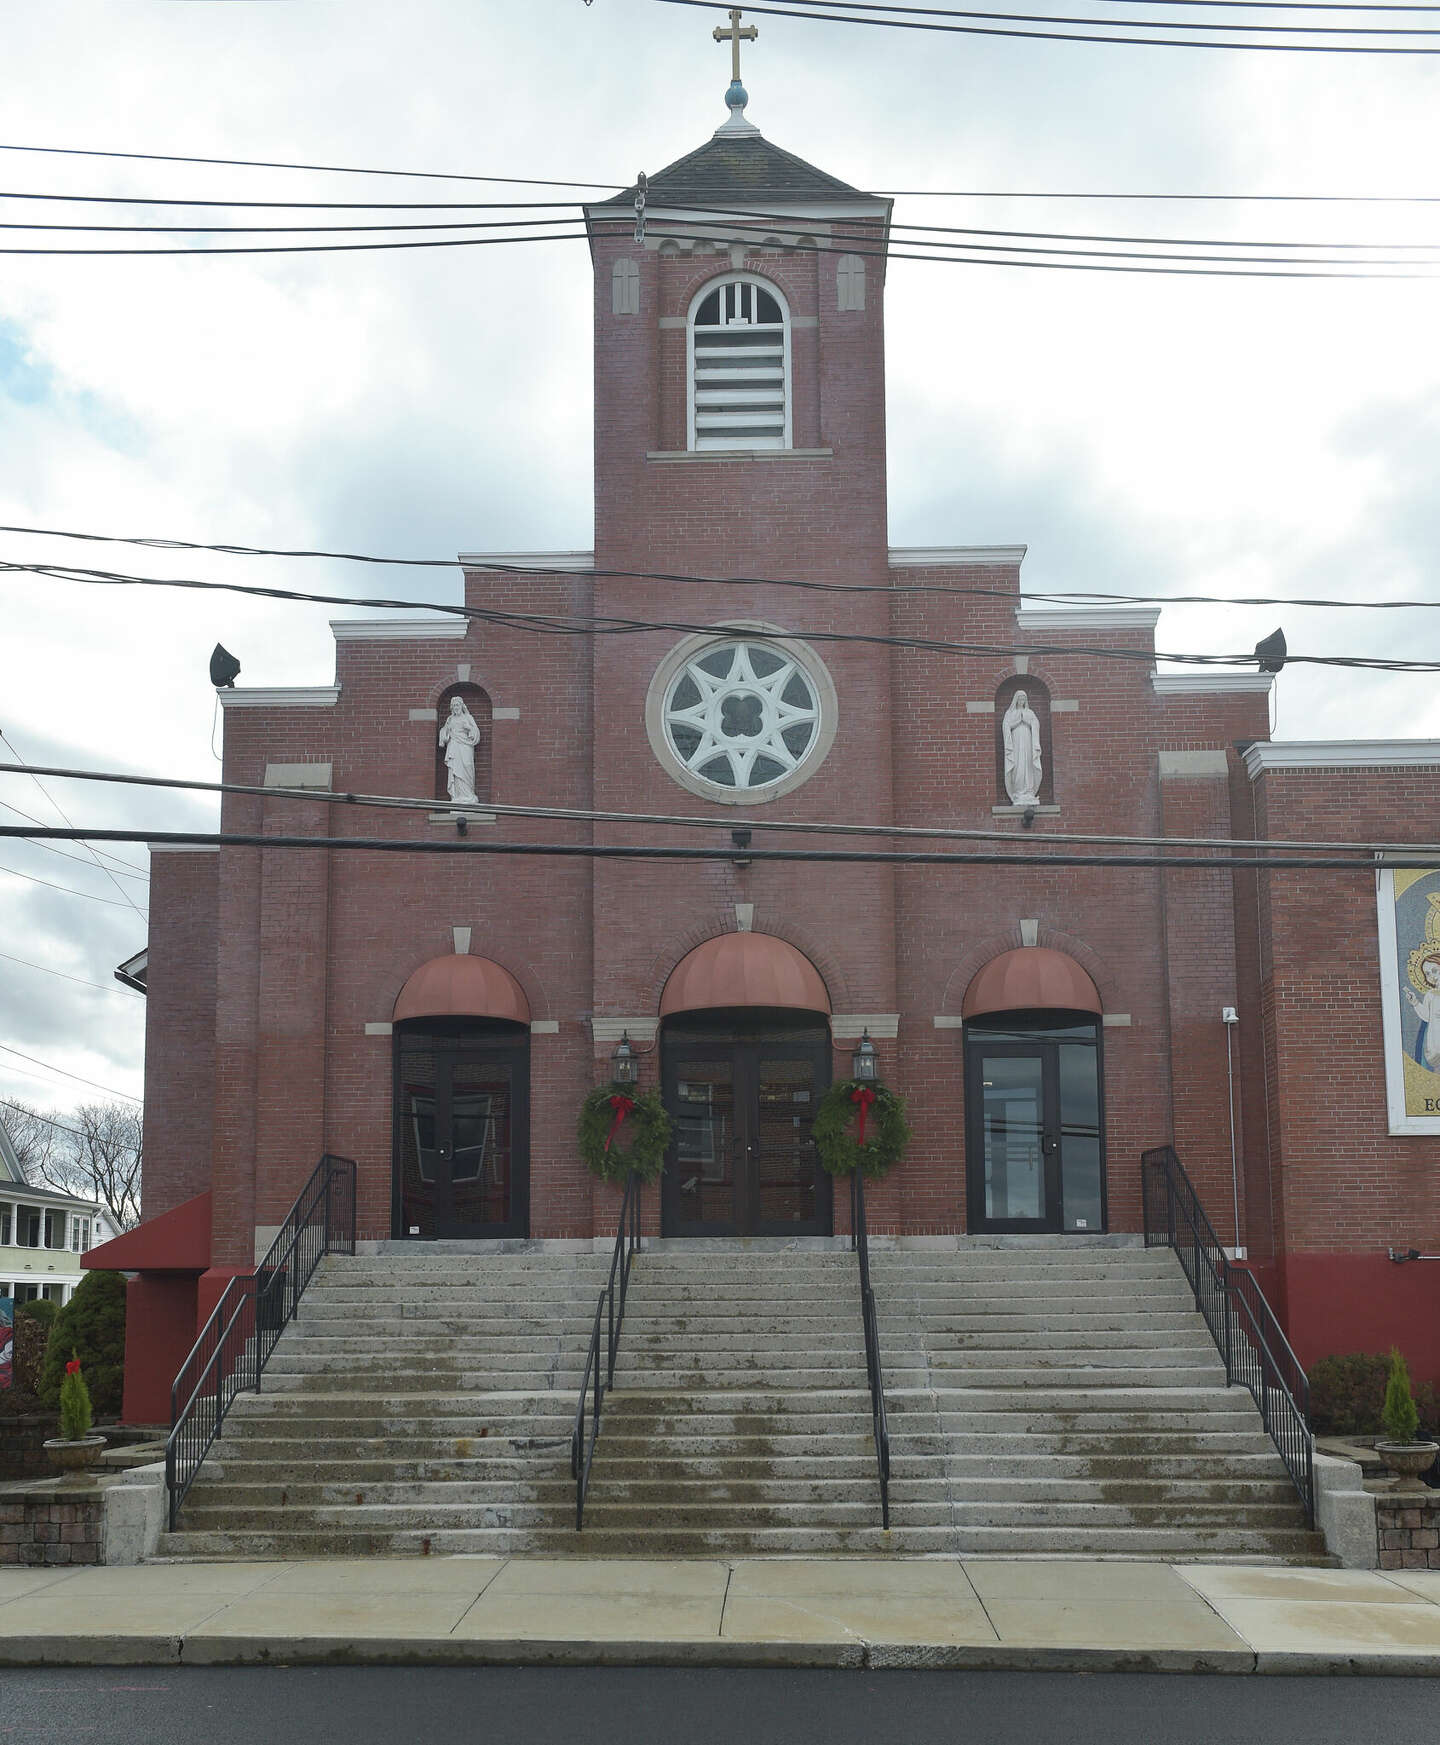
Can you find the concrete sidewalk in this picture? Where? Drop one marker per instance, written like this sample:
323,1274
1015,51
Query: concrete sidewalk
931,1612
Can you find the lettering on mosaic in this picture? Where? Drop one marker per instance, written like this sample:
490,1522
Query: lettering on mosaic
1410,988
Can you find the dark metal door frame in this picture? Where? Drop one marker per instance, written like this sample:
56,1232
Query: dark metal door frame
1053,1216
744,1053
507,1048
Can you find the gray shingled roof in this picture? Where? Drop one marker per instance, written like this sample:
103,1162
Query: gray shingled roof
745,166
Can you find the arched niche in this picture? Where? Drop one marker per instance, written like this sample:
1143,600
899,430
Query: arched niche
477,701
1037,695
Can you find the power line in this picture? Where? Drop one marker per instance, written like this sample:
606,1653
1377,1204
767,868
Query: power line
35,1115
843,6
574,624
151,157
1024,856
15,750
1052,595
1096,261
108,1089
1071,36
591,815
50,848
100,987
69,890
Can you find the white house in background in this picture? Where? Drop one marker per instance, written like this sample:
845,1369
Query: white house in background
43,1233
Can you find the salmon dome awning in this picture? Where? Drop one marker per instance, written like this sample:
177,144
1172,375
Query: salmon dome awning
744,969
462,987
1033,976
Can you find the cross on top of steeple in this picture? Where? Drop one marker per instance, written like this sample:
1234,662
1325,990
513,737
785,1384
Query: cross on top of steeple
737,96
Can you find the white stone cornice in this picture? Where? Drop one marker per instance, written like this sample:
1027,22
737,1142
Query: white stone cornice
1211,684
1341,754
942,557
544,563
275,697
396,629
1088,618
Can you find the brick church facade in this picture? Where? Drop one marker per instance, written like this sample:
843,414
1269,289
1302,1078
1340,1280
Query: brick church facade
439,1018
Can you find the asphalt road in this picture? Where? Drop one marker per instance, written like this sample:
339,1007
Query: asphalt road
573,1706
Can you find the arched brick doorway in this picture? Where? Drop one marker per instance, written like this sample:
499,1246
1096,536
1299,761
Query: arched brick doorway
1035,1131
745,1057
462,1103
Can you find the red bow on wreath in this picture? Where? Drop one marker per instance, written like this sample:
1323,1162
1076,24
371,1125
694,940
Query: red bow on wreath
865,1097
622,1105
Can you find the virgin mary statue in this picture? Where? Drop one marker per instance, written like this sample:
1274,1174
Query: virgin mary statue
1021,730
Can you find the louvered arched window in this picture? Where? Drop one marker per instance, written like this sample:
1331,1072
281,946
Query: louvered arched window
739,365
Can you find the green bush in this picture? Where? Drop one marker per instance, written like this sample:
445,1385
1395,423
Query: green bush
91,1326
76,1415
1347,1395
1398,1414
39,1309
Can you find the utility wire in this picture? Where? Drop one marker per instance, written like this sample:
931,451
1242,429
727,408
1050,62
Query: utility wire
151,157
1069,36
1060,596
574,624
1136,23
1024,855
589,815
748,218
69,890
108,1089
99,987
35,1115
50,848
15,752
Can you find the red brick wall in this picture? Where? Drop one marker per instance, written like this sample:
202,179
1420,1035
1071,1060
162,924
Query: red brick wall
180,1027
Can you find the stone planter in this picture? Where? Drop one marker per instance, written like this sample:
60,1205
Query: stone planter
76,1459
1407,1460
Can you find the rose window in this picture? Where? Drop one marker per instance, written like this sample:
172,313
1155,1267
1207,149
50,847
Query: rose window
742,715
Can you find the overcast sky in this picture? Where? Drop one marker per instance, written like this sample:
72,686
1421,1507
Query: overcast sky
1165,435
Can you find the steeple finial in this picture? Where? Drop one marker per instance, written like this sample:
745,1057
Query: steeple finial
737,96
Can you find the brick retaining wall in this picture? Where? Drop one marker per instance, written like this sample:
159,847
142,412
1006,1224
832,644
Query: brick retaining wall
46,1529
22,1435
1409,1531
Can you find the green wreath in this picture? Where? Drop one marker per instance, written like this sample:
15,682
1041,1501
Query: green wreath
639,1141
837,1125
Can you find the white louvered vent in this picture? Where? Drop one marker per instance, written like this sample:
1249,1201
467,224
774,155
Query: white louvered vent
739,368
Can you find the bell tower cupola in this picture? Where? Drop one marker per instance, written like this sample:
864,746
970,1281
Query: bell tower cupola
739,356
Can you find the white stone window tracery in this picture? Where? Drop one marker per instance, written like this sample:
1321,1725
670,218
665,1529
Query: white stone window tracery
742,715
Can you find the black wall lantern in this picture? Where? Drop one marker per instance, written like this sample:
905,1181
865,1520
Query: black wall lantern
865,1062
624,1066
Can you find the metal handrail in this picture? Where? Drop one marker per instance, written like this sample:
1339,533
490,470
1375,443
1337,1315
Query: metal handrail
254,1309
1246,1333
879,1418
599,1378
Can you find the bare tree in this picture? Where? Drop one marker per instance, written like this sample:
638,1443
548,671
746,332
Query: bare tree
97,1154
35,1135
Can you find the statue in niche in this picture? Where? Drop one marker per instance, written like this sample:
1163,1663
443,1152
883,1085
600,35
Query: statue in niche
460,736
1021,732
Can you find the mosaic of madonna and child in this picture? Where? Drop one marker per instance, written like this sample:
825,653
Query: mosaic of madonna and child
1414,1032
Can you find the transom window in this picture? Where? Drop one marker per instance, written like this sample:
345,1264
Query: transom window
742,715
739,367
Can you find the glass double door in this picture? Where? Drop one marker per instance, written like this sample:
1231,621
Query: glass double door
1033,1140
741,1098
461,1135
